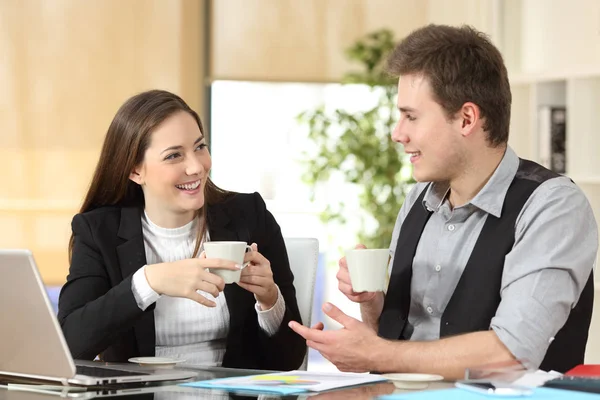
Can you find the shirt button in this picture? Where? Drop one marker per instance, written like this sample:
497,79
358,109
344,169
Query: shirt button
438,268
430,310
450,228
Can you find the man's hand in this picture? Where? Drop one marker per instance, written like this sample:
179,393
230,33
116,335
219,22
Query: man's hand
350,349
345,286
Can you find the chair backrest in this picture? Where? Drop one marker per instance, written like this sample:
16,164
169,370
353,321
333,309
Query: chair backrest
303,254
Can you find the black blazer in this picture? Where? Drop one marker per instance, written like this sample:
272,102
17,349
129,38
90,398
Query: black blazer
98,312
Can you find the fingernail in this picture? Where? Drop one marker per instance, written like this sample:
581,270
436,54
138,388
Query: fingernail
327,306
291,324
238,266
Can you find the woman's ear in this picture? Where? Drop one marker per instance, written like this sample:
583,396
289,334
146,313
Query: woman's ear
136,176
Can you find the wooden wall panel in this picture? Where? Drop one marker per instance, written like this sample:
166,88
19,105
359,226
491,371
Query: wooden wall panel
291,40
481,14
65,68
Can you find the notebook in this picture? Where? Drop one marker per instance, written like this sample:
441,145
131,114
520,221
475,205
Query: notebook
577,383
32,345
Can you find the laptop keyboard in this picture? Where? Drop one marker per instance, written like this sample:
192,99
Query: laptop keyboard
105,372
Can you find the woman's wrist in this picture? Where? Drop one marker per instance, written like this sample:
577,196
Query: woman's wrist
269,300
152,276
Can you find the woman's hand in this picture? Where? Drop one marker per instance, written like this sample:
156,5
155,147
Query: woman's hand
184,278
257,278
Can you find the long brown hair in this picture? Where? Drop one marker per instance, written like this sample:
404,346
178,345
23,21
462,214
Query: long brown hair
125,144
462,65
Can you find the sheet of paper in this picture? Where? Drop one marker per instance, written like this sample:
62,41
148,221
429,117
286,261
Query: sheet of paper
536,378
289,382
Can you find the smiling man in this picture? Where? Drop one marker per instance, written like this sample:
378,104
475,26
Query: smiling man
492,255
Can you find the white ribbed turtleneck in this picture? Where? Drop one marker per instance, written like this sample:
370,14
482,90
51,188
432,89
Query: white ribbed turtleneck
184,328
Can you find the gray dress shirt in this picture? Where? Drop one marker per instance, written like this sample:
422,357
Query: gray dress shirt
556,241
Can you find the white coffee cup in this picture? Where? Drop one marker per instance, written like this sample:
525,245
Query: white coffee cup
232,251
368,269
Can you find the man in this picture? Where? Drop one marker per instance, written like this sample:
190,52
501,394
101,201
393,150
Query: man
491,255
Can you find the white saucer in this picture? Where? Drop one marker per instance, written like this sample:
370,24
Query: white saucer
156,361
412,381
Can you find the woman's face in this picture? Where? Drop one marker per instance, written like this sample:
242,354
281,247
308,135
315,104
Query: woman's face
174,171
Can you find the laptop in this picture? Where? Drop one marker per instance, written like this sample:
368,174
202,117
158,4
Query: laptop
32,345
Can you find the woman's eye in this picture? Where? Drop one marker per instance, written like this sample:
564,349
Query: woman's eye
201,146
172,156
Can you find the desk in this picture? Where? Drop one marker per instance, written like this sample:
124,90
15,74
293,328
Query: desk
171,391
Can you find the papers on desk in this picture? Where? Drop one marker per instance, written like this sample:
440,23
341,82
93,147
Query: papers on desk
536,378
288,382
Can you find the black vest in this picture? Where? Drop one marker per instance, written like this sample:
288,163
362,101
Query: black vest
477,295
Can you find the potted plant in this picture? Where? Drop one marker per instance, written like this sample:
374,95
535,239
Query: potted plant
358,146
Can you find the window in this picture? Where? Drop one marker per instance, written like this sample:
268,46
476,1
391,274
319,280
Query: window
257,144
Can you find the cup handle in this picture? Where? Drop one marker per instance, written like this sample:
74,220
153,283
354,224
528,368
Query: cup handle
248,250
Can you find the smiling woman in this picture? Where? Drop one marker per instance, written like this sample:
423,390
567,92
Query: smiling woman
135,244
173,177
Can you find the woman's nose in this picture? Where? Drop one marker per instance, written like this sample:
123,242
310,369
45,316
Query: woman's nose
194,166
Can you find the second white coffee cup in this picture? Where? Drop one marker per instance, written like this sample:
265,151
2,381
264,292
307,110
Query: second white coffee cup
232,251
368,269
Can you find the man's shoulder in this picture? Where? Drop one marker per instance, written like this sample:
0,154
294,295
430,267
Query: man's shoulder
558,200
558,187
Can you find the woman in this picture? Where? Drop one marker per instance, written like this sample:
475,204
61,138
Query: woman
137,285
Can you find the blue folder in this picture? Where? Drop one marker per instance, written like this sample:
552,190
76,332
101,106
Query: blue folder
222,384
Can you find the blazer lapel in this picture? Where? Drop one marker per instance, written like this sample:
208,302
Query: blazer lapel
219,224
132,256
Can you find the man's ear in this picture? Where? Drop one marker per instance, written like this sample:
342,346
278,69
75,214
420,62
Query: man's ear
469,117
136,176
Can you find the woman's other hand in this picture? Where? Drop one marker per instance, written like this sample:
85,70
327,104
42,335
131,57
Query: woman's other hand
257,278
184,278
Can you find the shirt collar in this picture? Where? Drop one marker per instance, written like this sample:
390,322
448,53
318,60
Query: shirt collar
490,198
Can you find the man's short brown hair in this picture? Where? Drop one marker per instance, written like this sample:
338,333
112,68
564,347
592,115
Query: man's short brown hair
462,65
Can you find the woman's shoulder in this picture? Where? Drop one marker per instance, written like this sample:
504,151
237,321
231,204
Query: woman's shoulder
245,208
100,213
244,202
107,218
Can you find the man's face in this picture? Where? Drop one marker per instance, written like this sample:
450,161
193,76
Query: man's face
434,143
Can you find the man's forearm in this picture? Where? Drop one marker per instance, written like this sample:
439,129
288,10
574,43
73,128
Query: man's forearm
370,311
448,357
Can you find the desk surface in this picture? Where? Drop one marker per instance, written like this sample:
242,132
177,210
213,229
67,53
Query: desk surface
172,391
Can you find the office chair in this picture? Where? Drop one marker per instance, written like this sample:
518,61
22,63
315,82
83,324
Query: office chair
303,254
